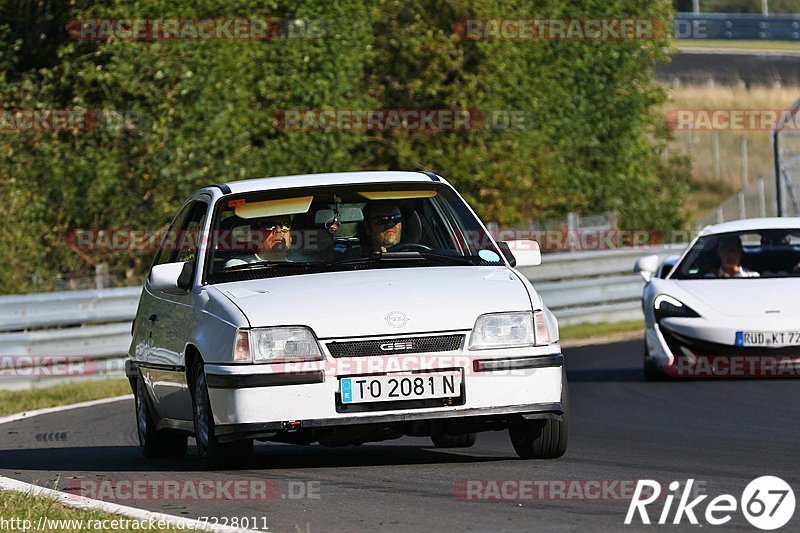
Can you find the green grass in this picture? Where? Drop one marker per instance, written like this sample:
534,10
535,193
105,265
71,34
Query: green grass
747,45
586,330
26,400
16,505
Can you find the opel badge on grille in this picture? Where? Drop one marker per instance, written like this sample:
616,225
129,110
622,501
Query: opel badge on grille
396,319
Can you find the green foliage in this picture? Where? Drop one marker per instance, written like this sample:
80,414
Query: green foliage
176,115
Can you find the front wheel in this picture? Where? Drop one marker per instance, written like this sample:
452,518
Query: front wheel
152,442
463,440
213,454
543,439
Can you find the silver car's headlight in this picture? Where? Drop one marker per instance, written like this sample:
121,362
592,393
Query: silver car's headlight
276,345
509,330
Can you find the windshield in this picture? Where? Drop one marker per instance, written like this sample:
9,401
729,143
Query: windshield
767,253
310,230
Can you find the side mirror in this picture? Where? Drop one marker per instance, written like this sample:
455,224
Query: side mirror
667,266
172,277
521,253
646,266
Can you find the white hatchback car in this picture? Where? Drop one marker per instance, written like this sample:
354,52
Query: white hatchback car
341,308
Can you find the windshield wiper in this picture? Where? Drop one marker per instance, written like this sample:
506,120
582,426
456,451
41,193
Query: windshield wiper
266,264
407,256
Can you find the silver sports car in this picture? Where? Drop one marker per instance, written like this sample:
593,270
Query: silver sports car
728,306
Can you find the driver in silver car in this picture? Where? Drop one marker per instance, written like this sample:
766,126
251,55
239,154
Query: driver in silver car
275,239
384,224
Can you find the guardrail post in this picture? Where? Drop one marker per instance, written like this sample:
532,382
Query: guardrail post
572,223
101,276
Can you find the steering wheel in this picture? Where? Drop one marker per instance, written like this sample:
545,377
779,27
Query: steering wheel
409,247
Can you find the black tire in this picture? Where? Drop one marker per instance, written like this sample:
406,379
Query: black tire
543,439
154,443
213,454
463,440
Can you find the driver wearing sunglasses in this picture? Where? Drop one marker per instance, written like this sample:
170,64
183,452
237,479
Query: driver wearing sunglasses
384,224
275,234
277,237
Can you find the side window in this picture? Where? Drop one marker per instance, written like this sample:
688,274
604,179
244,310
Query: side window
182,240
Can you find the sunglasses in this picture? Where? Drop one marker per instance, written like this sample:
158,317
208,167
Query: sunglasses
387,220
280,227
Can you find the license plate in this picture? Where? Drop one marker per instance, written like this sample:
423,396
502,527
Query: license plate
406,386
767,338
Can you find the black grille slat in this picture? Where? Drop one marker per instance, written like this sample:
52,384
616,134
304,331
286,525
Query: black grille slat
395,346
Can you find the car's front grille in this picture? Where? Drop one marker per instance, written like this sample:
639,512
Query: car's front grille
678,343
442,343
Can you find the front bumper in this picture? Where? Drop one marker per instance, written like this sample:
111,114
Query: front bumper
692,352
467,418
245,399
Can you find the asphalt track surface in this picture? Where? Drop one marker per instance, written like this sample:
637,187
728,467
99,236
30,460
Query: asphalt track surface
730,68
722,433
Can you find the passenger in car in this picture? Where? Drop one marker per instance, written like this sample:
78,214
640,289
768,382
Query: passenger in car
277,240
729,251
383,224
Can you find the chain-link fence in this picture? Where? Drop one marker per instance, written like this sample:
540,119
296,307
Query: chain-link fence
755,200
766,196
787,138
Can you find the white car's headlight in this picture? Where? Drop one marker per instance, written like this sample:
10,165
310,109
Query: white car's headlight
276,345
509,330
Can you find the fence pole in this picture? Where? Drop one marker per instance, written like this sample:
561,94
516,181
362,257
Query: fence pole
715,152
720,218
742,207
571,226
762,198
745,164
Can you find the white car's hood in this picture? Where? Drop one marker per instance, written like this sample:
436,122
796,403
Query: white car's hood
746,297
381,301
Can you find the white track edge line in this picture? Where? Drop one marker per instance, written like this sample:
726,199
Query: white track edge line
82,502
47,410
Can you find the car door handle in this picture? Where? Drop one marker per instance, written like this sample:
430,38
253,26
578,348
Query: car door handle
153,318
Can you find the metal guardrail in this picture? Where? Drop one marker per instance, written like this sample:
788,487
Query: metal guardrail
68,308
596,286
737,26
93,327
48,338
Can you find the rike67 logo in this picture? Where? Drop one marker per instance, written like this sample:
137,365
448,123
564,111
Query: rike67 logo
767,502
